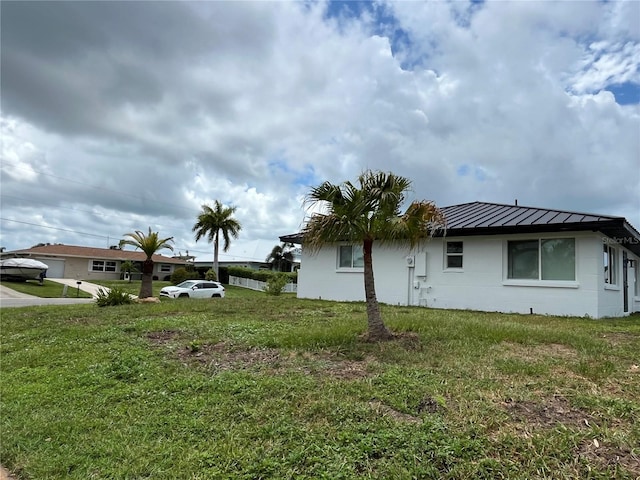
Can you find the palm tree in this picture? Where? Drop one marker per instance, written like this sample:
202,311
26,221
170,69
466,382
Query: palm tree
215,221
280,256
128,266
149,244
364,214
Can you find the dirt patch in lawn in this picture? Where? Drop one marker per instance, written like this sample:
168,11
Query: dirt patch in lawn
547,413
386,411
534,353
224,356
609,456
620,338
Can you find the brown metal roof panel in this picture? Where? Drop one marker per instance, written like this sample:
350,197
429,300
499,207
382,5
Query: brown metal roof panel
482,215
493,216
547,218
535,216
521,217
576,218
501,215
561,217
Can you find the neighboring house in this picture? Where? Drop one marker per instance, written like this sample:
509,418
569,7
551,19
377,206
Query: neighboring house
87,263
494,257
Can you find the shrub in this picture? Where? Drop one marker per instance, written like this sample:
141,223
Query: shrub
276,283
261,275
115,296
211,275
182,274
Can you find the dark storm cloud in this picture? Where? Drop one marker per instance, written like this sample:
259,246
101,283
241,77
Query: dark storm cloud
70,67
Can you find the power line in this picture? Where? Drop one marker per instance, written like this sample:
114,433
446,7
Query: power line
54,228
107,237
94,187
73,209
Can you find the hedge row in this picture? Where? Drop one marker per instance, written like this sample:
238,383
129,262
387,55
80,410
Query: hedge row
260,275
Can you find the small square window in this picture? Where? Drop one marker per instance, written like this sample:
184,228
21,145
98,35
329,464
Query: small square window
350,256
454,254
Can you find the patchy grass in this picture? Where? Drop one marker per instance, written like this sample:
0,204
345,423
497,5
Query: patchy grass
254,386
48,290
133,287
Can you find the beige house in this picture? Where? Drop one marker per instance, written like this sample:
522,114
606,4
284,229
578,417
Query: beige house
88,263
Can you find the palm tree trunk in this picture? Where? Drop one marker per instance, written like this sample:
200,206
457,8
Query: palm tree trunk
376,328
146,286
215,257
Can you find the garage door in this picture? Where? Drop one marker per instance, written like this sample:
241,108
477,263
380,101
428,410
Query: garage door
56,267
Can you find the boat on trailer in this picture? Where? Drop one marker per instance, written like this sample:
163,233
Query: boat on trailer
22,269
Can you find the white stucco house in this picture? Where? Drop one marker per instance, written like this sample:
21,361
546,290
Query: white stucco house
494,257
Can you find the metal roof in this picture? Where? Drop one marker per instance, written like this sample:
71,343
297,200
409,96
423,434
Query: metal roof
482,218
492,215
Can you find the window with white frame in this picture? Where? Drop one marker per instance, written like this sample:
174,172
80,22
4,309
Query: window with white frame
164,268
103,266
610,265
454,255
542,259
350,256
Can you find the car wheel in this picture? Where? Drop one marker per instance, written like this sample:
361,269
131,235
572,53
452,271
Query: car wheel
183,295
215,295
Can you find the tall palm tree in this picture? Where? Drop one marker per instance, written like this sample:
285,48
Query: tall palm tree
280,256
149,244
368,213
212,222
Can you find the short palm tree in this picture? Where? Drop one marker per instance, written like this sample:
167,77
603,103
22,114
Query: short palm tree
368,213
280,257
216,221
149,244
128,266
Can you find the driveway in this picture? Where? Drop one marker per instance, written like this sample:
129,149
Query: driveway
91,288
11,298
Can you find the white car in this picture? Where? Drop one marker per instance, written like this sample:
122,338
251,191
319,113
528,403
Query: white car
194,289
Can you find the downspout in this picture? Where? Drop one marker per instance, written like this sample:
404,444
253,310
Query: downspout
409,285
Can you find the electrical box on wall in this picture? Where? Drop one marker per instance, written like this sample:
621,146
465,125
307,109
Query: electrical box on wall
410,260
421,264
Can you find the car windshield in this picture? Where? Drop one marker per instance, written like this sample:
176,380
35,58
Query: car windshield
186,284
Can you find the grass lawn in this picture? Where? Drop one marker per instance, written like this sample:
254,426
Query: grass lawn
48,290
259,387
132,287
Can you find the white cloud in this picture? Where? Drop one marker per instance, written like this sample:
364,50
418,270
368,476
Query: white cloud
252,103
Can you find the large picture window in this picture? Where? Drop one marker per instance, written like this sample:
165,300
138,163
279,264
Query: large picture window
103,266
544,259
350,256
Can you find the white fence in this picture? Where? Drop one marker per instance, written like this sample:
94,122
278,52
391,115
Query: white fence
257,285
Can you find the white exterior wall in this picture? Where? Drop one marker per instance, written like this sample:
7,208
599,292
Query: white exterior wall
611,297
481,284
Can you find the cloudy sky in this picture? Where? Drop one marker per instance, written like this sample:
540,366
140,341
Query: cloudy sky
118,116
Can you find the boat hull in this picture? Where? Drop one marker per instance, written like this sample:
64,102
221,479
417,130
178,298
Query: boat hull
22,269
